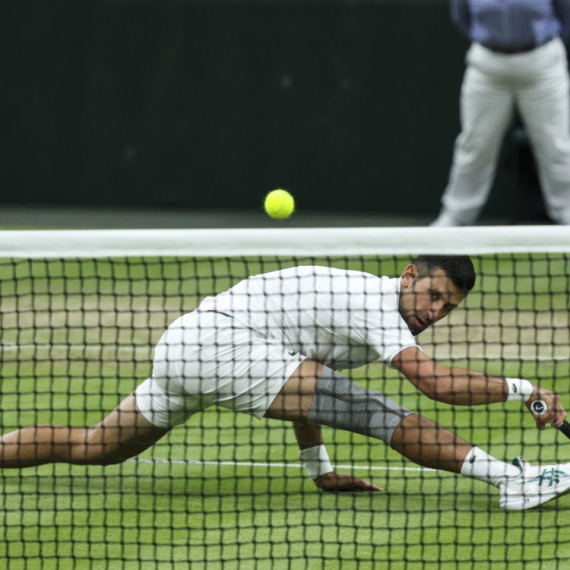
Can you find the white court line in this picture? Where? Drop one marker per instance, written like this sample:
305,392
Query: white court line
271,465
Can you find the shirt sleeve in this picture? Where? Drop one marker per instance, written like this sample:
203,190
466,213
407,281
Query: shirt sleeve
389,341
562,10
460,15
376,322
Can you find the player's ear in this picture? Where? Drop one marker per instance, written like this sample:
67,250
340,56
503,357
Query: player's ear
409,275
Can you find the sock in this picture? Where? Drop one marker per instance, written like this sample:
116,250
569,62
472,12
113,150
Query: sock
484,467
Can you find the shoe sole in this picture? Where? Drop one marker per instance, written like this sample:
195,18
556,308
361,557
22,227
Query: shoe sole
529,508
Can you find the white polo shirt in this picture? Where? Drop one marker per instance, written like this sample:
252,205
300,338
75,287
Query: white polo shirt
241,355
341,318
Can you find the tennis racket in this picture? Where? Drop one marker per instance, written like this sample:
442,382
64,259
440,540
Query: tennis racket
539,408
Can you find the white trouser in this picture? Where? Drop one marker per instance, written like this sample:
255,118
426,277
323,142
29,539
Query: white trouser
537,83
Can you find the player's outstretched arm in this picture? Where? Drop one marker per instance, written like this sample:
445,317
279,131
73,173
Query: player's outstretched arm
461,387
316,461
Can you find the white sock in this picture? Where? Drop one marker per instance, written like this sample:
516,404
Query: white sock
484,467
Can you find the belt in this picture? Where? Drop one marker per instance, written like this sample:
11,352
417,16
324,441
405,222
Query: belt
519,49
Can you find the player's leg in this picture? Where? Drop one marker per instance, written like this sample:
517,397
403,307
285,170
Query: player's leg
140,420
521,485
486,106
316,394
293,403
545,108
124,433
428,444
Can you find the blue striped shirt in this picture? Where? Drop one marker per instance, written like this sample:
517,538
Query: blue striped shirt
512,24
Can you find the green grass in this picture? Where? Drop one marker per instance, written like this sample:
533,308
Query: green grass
105,317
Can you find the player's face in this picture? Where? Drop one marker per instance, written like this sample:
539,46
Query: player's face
426,300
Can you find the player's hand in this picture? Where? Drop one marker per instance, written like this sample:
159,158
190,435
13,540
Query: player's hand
555,414
337,483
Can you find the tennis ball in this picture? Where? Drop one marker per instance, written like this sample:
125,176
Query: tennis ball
279,204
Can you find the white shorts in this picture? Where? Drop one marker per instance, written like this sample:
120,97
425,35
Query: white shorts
205,359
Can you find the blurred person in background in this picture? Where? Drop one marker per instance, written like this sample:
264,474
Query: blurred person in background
517,60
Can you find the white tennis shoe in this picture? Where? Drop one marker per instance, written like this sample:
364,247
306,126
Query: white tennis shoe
534,486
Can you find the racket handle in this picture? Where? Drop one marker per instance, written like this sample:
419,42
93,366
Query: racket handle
564,427
539,408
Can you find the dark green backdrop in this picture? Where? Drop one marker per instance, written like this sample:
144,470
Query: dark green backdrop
350,105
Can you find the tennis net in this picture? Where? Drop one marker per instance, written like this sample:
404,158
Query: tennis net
82,313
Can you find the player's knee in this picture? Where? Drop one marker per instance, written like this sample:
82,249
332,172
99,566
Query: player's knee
340,403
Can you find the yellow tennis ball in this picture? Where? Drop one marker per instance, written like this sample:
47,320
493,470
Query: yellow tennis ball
279,204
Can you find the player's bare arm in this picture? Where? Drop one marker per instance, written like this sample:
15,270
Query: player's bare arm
310,440
461,387
429,294
293,404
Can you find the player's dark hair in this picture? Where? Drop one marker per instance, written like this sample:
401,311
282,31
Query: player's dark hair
458,268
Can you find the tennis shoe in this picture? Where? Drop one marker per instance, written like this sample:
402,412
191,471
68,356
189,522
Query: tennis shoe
446,220
449,219
534,486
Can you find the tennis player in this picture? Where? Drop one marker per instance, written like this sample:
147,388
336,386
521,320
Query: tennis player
271,346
